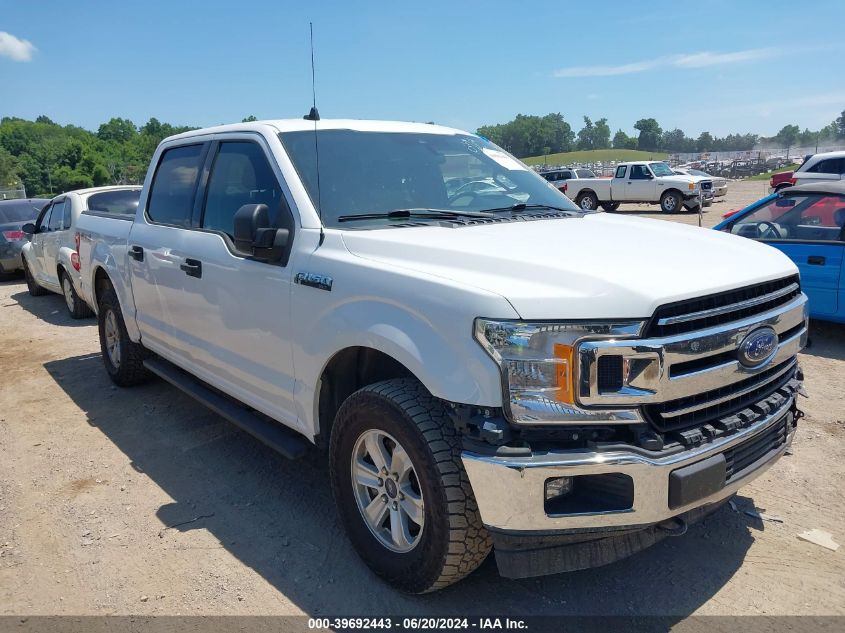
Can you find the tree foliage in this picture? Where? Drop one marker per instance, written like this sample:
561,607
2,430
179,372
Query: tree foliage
529,135
50,158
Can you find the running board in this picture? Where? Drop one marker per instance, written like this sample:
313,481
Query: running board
273,434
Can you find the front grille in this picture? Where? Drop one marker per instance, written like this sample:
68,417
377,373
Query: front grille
742,457
723,307
706,185
711,406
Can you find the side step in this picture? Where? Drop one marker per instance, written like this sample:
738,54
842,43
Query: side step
273,434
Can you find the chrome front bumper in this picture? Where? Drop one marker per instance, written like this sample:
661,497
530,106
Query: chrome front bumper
511,491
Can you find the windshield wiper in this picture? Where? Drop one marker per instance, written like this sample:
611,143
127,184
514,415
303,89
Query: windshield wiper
521,206
441,214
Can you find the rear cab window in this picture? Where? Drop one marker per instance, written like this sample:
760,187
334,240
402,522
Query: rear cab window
174,185
620,171
114,202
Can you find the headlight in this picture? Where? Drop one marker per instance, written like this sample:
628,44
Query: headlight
539,365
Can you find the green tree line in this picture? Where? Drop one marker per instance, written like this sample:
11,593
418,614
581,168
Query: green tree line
529,135
49,158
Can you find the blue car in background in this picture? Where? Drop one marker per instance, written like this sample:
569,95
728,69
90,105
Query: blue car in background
807,223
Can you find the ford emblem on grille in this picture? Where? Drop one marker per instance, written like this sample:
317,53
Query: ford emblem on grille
758,347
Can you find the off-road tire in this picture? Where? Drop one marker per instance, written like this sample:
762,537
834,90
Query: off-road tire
34,289
590,198
610,206
130,371
678,203
80,309
454,541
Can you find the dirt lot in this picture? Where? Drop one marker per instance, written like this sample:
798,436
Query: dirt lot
142,502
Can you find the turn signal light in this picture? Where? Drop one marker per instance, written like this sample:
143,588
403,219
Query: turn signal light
564,373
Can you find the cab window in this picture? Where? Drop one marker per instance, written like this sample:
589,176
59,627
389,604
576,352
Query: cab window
639,172
174,186
808,217
241,174
829,166
620,171
57,216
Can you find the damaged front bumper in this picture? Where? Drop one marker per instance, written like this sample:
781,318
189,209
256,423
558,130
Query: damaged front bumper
620,501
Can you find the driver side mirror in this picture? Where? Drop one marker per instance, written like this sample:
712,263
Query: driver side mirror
28,228
255,237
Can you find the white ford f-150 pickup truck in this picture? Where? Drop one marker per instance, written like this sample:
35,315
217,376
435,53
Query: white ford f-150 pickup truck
488,369
640,181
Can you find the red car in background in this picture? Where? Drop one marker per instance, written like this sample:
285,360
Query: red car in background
781,180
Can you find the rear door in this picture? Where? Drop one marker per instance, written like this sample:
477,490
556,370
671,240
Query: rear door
158,246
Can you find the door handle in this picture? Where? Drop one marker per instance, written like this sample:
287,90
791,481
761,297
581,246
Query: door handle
192,267
816,260
136,253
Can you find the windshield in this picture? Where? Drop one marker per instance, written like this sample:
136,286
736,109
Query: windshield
661,169
380,172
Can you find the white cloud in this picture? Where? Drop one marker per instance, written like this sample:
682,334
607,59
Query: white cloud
14,48
606,71
701,60
692,60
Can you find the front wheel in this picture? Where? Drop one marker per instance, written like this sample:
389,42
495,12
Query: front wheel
401,490
670,202
609,206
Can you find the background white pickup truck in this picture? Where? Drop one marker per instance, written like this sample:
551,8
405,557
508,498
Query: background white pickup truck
640,181
488,366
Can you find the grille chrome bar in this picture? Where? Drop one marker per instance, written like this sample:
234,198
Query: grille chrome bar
647,377
673,413
733,307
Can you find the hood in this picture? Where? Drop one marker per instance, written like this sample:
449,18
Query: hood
597,266
683,179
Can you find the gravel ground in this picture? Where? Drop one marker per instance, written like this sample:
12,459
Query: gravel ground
141,501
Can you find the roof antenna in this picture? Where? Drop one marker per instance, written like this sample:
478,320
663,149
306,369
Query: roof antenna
314,115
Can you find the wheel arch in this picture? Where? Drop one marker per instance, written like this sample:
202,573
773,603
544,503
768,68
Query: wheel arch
347,371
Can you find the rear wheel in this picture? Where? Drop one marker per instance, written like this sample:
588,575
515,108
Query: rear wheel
77,307
588,201
401,490
123,359
34,289
670,202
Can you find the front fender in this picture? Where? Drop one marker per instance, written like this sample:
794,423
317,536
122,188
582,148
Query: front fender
446,360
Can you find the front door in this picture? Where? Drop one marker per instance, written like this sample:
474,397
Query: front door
640,184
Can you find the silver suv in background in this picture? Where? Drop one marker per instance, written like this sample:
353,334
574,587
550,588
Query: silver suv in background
51,257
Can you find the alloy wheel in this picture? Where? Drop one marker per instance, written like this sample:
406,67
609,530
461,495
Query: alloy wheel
387,491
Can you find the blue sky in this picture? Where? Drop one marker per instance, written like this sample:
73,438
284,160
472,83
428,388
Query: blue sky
718,66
